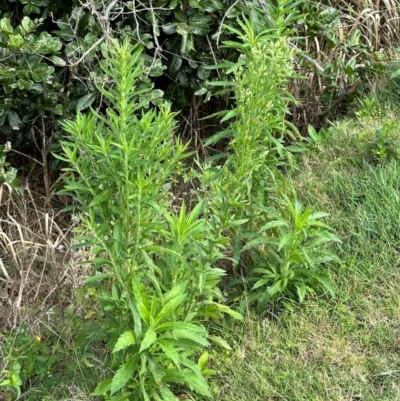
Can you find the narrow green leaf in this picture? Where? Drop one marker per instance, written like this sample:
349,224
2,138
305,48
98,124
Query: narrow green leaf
203,360
239,222
284,241
258,241
275,288
229,311
99,277
272,224
324,279
261,283
104,195
395,74
231,114
200,91
219,341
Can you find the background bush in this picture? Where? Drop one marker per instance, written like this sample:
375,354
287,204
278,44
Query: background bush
50,52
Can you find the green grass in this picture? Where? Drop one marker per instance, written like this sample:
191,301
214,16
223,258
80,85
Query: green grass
346,348
52,365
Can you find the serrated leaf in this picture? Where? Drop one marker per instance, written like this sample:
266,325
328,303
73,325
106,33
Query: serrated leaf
258,241
170,351
180,325
102,388
136,318
301,291
140,301
195,381
195,336
125,340
149,338
326,282
176,290
123,374
288,305
167,394
170,307
156,370
318,215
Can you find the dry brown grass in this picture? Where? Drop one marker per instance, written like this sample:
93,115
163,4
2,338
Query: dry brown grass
366,31
37,267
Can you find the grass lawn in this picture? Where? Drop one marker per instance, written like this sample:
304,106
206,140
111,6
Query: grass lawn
347,348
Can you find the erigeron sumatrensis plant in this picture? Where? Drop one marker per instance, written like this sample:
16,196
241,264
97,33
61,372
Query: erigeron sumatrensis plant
156,286
283,246
287,245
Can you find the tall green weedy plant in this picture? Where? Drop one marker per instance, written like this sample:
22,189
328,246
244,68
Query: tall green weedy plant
153,271
283,245
259,130
288,253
